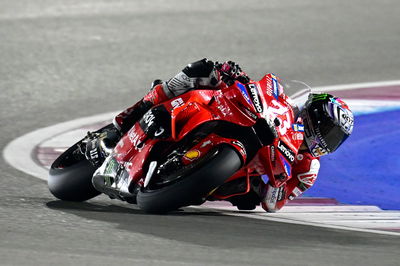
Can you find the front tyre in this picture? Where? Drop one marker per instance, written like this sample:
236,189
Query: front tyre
194,185
70,176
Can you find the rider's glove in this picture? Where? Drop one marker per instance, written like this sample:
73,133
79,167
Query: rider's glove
230,71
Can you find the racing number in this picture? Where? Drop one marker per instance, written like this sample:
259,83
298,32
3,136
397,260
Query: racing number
283,116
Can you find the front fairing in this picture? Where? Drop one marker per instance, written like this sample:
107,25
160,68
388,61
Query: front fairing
276,160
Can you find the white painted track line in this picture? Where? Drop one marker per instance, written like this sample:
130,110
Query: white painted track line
18,153
357,86
368,219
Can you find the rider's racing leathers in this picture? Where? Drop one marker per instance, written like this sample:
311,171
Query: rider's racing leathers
205,74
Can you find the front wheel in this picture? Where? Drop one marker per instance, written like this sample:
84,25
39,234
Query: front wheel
192,184
70,176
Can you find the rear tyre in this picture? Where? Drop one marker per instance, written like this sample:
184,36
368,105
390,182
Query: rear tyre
194,185
70,177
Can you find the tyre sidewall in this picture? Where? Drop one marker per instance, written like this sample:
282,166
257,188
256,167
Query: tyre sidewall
74,182
193,187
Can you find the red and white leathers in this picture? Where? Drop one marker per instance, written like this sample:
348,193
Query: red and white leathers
304,173
204,74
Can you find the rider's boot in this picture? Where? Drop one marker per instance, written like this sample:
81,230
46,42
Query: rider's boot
157,94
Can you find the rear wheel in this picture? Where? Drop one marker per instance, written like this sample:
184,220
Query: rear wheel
191,184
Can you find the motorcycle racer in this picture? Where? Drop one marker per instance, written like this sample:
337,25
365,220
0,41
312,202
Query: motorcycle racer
324,120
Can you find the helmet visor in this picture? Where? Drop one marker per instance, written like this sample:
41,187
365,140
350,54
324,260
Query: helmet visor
331,136
323,136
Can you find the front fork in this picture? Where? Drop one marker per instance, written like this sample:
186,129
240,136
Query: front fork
112,179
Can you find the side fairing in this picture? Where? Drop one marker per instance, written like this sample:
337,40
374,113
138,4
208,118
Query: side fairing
198,108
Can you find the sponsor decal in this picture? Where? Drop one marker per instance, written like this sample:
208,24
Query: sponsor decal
320,97
298,127
183,76
300,157
192,155
177,103
128,165
272,153
151,97
249,113
269,87
135,139
255,97
269,91
307,179
298,136
286,151
296,192
222,107
205,143
273,197
93,154
244,92
149,118
346,120
319,151
281,195
111,167
275,87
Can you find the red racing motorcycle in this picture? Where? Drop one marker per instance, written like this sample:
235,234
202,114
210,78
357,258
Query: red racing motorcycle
202,145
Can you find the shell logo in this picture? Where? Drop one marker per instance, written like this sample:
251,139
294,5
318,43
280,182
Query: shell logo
192,155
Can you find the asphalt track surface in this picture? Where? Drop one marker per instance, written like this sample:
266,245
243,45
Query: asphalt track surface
64,60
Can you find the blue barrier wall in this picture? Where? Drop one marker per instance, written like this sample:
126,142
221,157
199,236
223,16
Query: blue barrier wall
366,169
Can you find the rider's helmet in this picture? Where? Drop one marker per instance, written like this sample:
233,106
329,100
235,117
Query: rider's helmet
328,122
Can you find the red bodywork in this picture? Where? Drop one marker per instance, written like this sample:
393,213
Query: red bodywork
238,104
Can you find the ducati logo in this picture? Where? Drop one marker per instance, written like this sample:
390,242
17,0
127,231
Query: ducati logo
135,139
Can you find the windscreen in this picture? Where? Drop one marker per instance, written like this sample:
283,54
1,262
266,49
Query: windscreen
298,92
